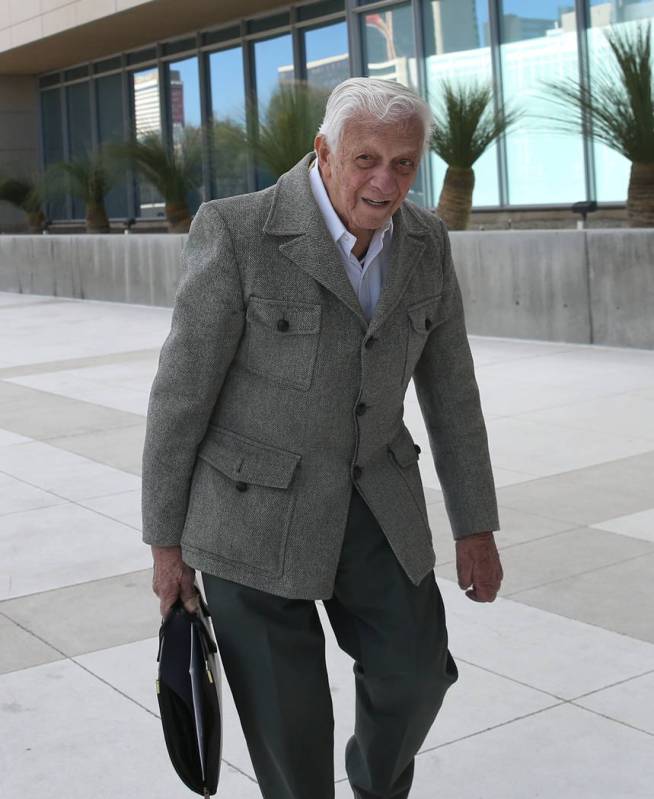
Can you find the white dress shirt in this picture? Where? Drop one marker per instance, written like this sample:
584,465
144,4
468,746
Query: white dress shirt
366,276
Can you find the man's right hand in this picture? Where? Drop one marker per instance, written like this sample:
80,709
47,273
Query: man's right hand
172,578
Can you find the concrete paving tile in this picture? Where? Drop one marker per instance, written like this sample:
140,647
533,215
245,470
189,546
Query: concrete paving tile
108,746
20,649
544,449
564,657
41,415
631,702
7,437
81,329
62,545
623,414
119,447
566,554
64,473
124,507
16,495
89,616
636,525
587,496
491,349
562,752
75,386
8,299
148,358
618,598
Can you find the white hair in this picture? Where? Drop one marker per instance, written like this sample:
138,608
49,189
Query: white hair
388,101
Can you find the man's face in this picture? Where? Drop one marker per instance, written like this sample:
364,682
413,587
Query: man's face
371,171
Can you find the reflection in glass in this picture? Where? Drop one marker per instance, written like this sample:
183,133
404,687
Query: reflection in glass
78,108
612,169
327,55
147,120
229,160
53,144
273,64
110,128
390,46
185,119
539,42
456,48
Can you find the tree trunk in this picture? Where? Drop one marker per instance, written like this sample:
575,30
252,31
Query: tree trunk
35,221
178,217
455,202
96,218
640,197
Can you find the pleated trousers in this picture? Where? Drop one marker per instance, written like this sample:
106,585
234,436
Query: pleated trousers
273,655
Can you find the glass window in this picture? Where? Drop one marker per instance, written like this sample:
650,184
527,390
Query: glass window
53,144
612,169
78,107
273,64
147,120
457,48
539,42
389,45
183,87
327,54
111,128
229,160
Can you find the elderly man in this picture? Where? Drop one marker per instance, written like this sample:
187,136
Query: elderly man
276,458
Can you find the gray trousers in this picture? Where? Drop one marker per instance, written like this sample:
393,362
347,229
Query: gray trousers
273,655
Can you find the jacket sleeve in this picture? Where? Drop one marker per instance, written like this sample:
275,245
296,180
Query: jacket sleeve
206,327
448,396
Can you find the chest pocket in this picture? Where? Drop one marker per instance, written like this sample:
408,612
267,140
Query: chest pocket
282,341
422,317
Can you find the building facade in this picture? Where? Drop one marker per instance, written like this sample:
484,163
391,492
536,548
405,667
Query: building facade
74,75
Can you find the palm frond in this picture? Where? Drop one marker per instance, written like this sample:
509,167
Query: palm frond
466,123
619,102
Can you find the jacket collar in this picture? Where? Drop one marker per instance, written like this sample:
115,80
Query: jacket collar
295,213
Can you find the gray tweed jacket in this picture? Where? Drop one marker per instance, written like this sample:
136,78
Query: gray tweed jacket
273,394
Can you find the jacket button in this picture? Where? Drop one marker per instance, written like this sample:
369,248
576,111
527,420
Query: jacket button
241,486
282,324
417,449
356,471
369,342
427,323
361,408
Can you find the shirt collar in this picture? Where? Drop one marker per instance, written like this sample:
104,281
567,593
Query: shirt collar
334,224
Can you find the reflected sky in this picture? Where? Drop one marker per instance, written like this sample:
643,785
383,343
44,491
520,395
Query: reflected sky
536,9
188,76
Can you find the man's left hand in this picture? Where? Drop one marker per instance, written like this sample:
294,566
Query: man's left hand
478,565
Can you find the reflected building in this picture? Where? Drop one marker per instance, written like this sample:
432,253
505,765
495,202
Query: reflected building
68,91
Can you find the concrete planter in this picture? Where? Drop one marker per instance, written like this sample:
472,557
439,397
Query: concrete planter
580,286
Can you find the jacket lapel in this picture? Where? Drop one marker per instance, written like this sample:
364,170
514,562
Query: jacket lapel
294,213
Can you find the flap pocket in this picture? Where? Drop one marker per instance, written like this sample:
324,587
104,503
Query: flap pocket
403,448
425,314
242,459
295,317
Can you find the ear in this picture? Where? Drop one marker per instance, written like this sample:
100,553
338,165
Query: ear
324,154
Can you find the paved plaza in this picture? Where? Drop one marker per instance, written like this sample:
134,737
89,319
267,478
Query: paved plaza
556,691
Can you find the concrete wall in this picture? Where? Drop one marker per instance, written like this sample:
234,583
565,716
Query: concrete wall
593,286
19,151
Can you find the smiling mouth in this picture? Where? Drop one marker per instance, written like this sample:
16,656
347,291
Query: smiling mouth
376,203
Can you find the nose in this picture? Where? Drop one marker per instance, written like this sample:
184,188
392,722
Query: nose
383,181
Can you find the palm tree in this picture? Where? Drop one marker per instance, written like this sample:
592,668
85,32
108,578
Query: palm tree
620,110
286,130
173,174
88,176
25,194
465,126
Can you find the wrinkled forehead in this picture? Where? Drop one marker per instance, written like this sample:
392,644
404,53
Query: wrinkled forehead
366,130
